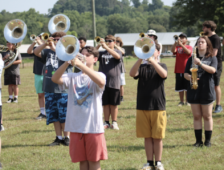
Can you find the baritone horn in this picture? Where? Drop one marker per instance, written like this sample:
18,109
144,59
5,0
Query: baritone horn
67,49
144,48
14,32
59,23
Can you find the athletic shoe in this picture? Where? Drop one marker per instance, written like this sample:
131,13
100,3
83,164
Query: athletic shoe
41,116
187,104
218,109
208,144
2,128
114,126
9,100
56,142
66,141
200,144
15,100
159,166
106,125
147,167
180,104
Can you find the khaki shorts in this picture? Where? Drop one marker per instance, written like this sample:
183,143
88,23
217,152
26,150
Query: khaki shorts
151,124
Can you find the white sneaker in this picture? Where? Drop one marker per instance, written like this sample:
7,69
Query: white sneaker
9,100
147,167
106,125
114,126
2,128
159,166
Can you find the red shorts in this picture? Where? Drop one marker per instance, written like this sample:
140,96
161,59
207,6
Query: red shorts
87,147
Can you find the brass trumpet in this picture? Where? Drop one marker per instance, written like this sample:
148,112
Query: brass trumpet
202,34
176,38
142,34
97,40
33,37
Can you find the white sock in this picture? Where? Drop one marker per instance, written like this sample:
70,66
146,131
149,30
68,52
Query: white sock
59,137
42,110
10,96
16,97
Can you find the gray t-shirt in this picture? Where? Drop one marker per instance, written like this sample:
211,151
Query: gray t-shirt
14,68
52,64
111,68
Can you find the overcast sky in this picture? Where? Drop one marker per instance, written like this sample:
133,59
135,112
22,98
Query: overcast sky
40,5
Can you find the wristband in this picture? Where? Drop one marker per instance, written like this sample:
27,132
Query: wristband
200,64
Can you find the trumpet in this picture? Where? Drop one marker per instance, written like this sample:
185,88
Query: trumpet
97,39
33,37
45,36
176,38
202,34
142,34
194,69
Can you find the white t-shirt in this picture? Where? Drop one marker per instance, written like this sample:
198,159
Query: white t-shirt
84,109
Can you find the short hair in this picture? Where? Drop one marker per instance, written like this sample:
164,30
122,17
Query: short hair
110,37
157,46
119,39
82,38
210,24
58,34
91,50
209,50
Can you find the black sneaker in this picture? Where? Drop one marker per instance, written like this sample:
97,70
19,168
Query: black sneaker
41,116
15,100
66,141
198,144
208,144
56,142
9,100
218,109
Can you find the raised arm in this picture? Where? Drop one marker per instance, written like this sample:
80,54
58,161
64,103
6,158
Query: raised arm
159,69
134,70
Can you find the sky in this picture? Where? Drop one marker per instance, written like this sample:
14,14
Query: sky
41,6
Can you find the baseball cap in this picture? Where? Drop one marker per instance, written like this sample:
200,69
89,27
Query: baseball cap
183,35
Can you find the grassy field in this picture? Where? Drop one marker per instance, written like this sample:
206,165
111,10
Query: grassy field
24,141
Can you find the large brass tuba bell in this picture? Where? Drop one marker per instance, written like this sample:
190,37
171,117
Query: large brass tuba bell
59,23
144,48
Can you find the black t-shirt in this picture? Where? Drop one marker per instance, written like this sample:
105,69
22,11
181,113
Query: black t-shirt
37,65
150,94
111,68
216,43
206,85
14,68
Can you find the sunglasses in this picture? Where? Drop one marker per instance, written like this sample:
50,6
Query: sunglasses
56,39
110,41
118,41
150,35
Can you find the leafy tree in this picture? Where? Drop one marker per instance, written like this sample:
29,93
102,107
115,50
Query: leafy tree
136,3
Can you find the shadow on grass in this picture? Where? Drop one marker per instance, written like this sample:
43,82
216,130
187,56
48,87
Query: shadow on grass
36,131
178,130
218,115
127,108
127,117
18,146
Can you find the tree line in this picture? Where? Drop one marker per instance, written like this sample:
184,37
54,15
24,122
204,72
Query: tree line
118,16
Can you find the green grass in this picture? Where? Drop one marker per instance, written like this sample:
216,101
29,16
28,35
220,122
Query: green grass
24,139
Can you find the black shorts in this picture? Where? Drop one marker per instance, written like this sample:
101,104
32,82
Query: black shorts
111,96
12,79
217,75
200,101
181,82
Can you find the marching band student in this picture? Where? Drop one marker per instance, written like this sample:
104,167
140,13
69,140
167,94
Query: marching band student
55,98
209,28
202,98
1,127
38,77
84,115
110,65
182,52
12,73
82,41
119,44
151,107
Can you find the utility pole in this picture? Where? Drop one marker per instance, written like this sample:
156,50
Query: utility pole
94,21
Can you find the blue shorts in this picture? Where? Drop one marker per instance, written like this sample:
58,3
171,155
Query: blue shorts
38,83
56,107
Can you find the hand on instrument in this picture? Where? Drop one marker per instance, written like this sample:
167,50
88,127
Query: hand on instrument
51,44
197,61
180,42
38,40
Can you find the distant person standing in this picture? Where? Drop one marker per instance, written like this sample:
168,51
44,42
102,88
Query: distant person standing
119,44
209,28
183,53
82,41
